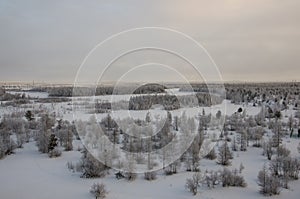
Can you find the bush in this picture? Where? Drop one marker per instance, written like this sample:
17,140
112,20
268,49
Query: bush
130,176
150,175
98,190
193,183
54,153
232,179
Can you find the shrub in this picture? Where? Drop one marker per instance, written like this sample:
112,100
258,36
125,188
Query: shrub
211,155
54,153
150,175
193,183
98,190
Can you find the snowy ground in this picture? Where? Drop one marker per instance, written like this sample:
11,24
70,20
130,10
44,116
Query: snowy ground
31,175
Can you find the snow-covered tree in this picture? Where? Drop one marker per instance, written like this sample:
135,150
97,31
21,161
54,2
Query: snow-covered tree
242,140
7,144
270,185
90,166
193,183
224,155
98,190
64,132
268,150
278,134
17,126
45,130
192,157
43,141
150,175
130,174
232,178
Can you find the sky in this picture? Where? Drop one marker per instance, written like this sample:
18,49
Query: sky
47,40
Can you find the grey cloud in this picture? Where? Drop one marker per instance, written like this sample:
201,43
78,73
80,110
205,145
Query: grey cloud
249,40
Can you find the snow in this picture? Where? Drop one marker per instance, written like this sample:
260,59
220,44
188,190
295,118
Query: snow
29,174
226,107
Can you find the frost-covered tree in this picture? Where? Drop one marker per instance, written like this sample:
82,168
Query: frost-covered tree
224,155
64,132
98,190
7,144
46,123
234,121
193,183
242,140
234,145
232,178
256,135
270,185
130,174
17,127
268,150
283,151
150,175
290,124
90,166
278,134
260,117
192,157
263,180
43,141
212,178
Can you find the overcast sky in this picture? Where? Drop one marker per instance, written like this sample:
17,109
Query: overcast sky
46,41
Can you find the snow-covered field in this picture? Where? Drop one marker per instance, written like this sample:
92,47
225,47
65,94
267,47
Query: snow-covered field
28,174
